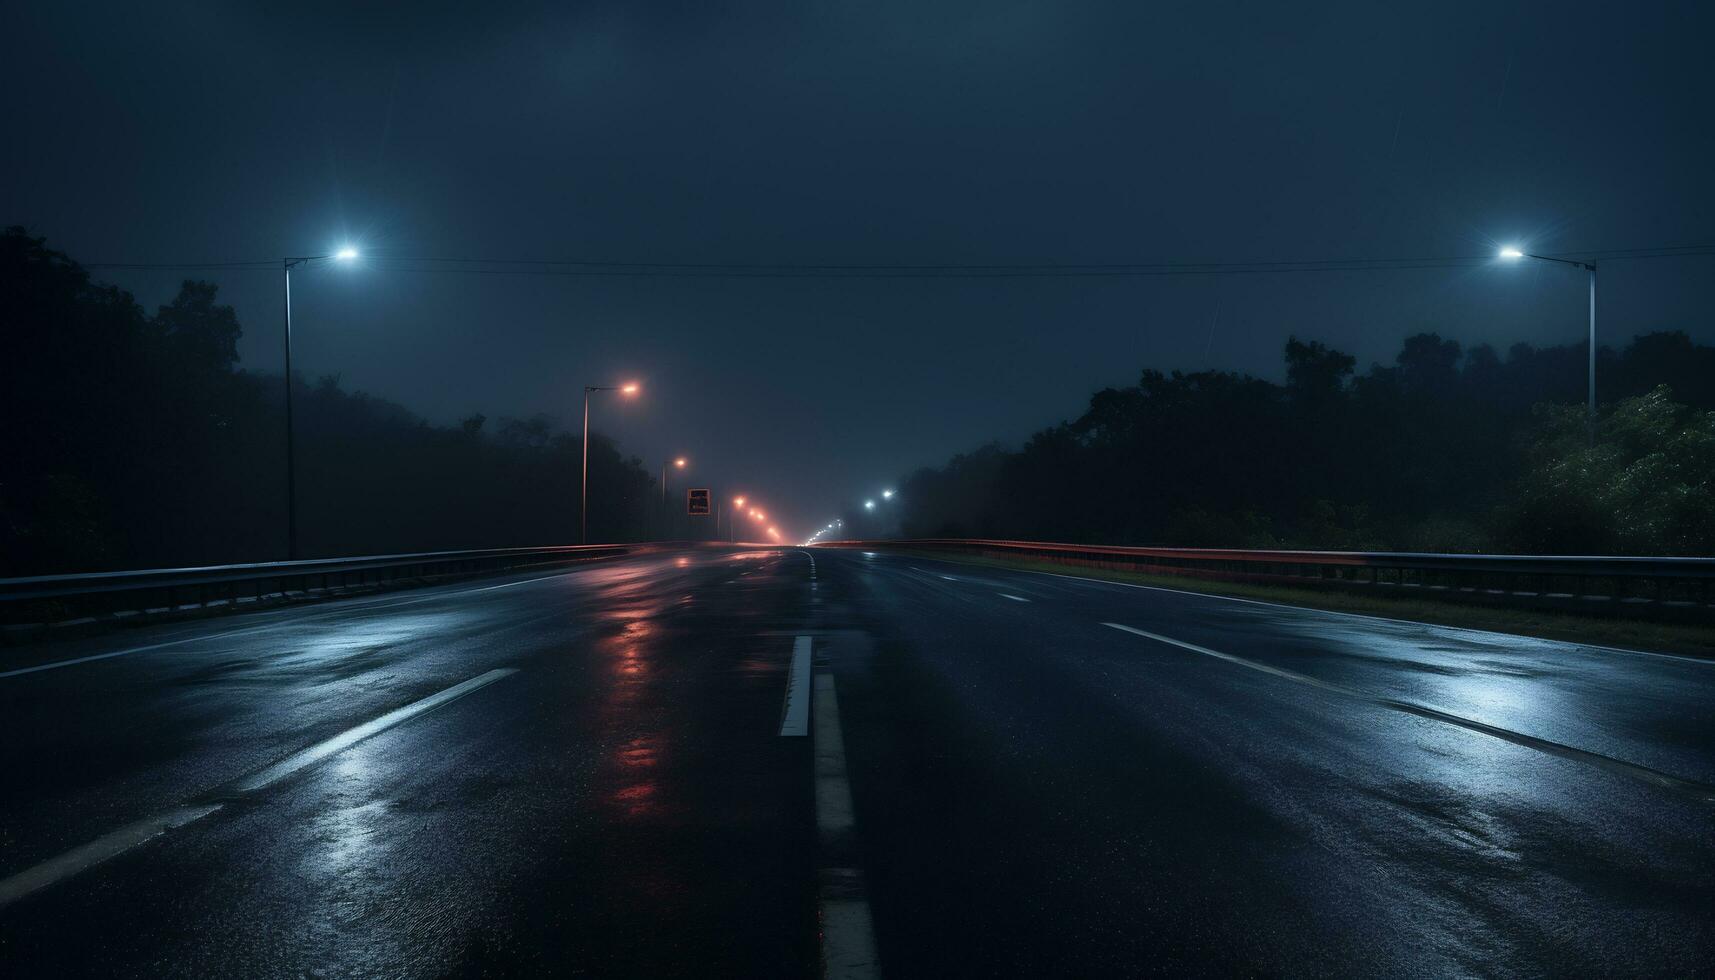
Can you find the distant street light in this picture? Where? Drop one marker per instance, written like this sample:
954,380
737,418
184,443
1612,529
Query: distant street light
732,520
887,495
627,389
869,505
1512,253
344,254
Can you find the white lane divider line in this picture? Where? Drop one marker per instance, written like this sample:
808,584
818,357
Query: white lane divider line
848,928
131,835
97,851
321,750
1014,598
795,713
1697,790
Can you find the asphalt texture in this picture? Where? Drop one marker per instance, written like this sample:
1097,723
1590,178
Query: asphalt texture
1004,773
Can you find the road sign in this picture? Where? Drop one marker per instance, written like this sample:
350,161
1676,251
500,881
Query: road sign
697,502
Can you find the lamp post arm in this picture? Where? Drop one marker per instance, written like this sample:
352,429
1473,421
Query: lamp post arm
1591,266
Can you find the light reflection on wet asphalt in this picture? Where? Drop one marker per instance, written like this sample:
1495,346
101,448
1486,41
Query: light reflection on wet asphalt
1035,794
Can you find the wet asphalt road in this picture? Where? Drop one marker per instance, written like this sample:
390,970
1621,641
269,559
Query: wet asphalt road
582,773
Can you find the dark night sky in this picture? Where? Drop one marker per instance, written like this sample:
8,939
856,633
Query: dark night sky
892,132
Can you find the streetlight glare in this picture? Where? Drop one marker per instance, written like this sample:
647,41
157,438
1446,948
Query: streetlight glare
1511,252
738,501
346,254
887,494
680,462
869,505
630,388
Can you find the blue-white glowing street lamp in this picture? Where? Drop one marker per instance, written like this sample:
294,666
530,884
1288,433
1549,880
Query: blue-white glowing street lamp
1512,253
344,254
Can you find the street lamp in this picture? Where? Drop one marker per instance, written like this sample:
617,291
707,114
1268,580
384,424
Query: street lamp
1511,253
732,520
627,389
869,505
887,495
679,462
344,254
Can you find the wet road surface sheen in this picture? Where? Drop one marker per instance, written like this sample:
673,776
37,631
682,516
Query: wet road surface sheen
601,772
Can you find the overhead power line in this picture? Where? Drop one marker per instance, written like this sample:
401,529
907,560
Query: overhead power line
725,270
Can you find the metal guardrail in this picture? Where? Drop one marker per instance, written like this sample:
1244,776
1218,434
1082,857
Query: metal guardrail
1649,587
57,598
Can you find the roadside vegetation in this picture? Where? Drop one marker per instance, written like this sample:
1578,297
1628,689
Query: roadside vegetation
134,439
1445,450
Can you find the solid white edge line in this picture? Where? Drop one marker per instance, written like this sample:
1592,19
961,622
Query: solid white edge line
321,750
314,614
1698,790
1335,612
795,713
1291,675
1014,598
72,662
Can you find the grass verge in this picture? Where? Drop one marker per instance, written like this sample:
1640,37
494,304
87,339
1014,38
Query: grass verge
1615,631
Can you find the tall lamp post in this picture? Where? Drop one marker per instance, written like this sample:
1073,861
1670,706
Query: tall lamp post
628,389
678,462
346,254
1513,254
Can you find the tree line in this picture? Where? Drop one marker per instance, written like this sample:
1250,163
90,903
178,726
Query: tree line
134,439
1447,449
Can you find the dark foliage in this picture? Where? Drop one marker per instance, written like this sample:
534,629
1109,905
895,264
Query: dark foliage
133,440
1443,450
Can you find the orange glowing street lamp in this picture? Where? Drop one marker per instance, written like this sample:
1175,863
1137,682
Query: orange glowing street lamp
627,389
732,520
678,462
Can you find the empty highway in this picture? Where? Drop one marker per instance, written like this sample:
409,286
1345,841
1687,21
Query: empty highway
771,762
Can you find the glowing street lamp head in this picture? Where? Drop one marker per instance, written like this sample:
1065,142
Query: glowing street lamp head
738,501
887,495
1511,252
680,462
869,505
630,388
346,254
